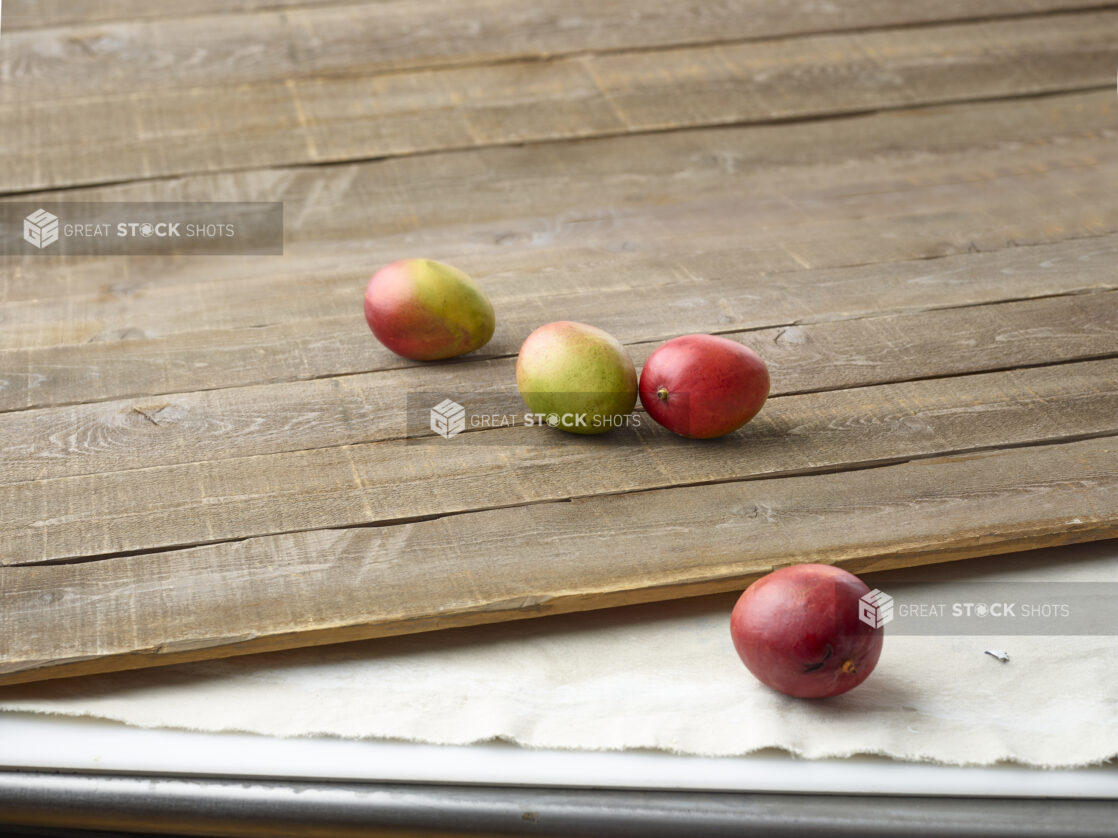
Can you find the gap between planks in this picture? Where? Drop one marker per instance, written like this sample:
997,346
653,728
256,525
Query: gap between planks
94,189
166,505
601,95
170,178
886,213
651,224
640,350
70,463
346,349
375,41
145,12
321,587
58,14
960,454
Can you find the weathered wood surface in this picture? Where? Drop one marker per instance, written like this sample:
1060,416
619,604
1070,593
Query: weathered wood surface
328,119
708,249
891,186
906,210
789,219
27,14
284,348
333,585
1062,327
152,507
209,46
418,21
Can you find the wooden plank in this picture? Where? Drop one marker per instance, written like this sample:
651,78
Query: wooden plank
381,482
1026,171
789,222
328,586
38,14
700,229
295,416
29,14
331,119
281,348
774,245
214,47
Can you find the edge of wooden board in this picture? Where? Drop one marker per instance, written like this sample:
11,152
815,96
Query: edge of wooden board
992,502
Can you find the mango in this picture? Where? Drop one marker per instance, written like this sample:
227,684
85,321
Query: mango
580,377
427,310
801,630
703,386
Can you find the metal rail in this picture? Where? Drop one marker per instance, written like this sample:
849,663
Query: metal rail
242,807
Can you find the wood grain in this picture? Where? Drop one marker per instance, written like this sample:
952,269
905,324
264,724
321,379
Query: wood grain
28,14
282,348
700,249
148,508
283,122
562,215
283,351
907,210
294,416
142,50
788,221
328,586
